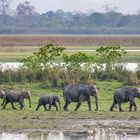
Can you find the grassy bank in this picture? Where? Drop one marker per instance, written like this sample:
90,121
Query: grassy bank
29,118
16,53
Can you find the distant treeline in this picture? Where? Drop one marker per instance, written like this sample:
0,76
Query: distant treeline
25,20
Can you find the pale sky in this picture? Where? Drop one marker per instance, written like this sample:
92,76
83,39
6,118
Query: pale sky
42,6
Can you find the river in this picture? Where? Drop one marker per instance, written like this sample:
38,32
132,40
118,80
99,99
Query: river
16,65
70,136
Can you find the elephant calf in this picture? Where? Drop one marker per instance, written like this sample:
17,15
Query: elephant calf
50,99
12,96
123,95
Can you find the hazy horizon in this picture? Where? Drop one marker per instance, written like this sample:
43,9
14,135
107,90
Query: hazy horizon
123,6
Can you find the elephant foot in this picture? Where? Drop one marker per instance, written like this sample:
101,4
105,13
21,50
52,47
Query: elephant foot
90,110
121,110
96,109
65,109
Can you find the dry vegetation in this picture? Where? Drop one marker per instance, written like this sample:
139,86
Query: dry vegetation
15,47
69,40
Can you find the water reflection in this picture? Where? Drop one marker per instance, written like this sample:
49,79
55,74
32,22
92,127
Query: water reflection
69,136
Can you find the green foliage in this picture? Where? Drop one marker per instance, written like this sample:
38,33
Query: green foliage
75,61
78,67
44,55
109,54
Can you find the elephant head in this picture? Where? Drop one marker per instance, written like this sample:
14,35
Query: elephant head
137,92
94,92
27,95
57,99
2,93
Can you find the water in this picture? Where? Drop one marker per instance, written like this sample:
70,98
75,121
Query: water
16,65
99,135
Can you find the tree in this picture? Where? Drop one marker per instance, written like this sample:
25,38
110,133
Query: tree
4,7
25,9
78,67
109,55
41,58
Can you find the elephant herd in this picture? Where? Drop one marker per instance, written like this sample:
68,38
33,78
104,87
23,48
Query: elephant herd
71,93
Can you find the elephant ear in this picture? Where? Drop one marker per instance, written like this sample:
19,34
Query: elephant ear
86,90
93,88
21,97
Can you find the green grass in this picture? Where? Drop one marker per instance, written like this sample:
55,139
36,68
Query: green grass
29,118
16,53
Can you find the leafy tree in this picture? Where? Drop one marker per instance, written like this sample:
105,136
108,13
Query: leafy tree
44,55
109,55
75,61
79,67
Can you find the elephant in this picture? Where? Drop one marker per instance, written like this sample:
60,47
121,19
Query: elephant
79,93
50,99
16,96
2,94
126,94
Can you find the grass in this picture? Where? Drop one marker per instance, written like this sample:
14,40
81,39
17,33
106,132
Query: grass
29,118
16,53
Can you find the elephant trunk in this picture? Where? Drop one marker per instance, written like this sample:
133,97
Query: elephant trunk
96,102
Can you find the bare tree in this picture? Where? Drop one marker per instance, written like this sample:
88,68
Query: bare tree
4,7
25,9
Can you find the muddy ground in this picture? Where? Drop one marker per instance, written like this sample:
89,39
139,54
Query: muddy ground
23,121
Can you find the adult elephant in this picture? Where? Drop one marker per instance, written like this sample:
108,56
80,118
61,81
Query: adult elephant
49,99
79,93
16,96
126,94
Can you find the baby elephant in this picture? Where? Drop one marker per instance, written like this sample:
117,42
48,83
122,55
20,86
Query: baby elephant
126,94
50,99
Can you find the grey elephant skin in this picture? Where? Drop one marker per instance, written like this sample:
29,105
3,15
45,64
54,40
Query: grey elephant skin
79,93
49,99
123,95
2,94
12,96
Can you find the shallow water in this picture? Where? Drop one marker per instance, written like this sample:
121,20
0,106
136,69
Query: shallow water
99,135
16,65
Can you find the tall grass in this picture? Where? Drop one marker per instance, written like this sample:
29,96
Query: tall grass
58,77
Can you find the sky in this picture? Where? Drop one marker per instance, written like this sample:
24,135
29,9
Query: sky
123,6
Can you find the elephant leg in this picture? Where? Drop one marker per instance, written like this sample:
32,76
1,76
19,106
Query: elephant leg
21,105
89,104
78,105
45,107
38,106
5,103
55,105
120,108
134,104
50,105
113,105
67,102
130,107
12,105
